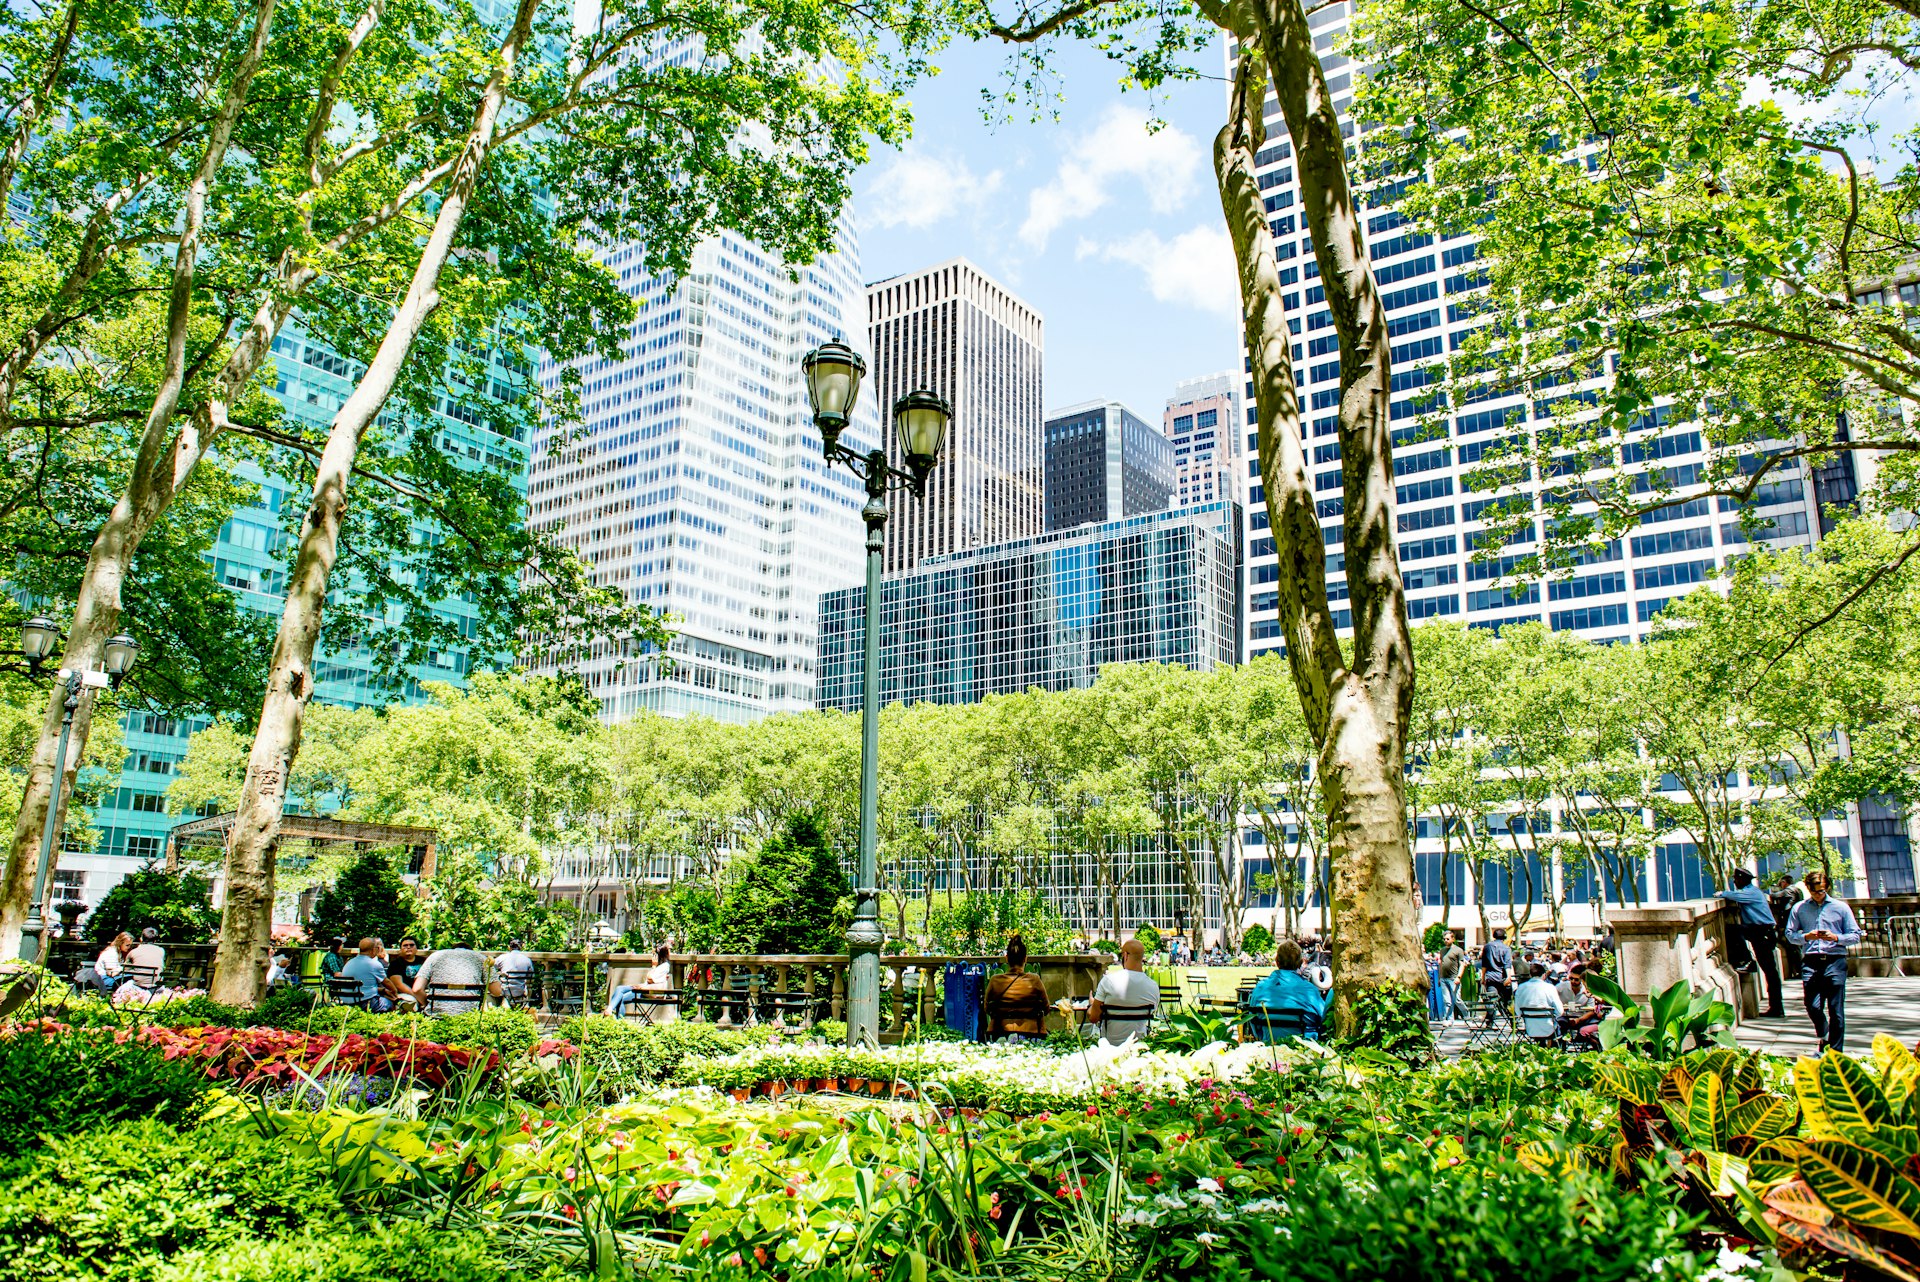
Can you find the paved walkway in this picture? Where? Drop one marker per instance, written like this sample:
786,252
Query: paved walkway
1889,1005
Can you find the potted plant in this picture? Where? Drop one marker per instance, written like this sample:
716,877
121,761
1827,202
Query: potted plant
69,911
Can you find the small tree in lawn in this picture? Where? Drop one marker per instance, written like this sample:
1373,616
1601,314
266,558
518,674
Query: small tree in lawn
788,898
1258,941
368,898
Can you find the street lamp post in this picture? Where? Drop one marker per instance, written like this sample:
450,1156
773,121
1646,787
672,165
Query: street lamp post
38,636
920,420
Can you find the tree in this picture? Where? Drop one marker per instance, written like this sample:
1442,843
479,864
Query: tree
1675,226
133,198
1356,696
178,905
792,897
1258,941
367,898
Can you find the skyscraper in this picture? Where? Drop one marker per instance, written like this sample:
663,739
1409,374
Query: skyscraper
1428,291
954,330
696,484
1204,421
250,557
1105,462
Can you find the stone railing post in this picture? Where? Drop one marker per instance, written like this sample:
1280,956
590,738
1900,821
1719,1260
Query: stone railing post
899,1020
839,1004
928,970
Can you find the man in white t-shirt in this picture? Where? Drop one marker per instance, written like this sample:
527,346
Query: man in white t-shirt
1126,985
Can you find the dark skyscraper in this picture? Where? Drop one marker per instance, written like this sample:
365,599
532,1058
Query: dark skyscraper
1104,462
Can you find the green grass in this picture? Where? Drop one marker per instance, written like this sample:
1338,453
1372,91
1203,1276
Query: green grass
1222,981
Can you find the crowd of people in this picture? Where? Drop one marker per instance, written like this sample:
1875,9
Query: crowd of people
399,979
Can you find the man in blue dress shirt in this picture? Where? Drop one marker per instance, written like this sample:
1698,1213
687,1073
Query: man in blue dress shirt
1823,929
1751,930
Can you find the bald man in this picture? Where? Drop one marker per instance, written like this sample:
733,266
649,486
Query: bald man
1127,985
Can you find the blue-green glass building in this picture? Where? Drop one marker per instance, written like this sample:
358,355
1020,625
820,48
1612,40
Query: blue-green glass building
251,557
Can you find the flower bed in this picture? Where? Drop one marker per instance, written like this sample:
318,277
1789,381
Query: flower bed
255,1056
1016,1079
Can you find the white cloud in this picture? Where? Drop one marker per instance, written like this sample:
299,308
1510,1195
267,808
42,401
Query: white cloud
1195,268
920,189
1119,147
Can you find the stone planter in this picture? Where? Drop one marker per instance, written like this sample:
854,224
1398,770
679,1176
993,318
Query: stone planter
1872,967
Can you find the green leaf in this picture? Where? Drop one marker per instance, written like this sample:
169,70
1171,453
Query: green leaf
1764,1117
1813,1104
1862,1187
1855,1103
1707,1114
1633,1080
1615,996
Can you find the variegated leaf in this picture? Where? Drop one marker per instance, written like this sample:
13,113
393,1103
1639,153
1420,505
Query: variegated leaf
1707,1113
1763,1117
1775,1160
1796,1199
1855,1103
1635,1081
1862,1187
1813,1106
1841,1241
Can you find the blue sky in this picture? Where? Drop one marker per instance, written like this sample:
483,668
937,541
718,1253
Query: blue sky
1113,233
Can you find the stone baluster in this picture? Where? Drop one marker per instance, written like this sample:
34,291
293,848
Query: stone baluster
723,980
780,970
838,1004
899,1020
927,973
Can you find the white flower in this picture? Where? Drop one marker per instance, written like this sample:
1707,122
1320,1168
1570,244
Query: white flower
1210,1184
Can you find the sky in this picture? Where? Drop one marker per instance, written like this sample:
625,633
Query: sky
1111,231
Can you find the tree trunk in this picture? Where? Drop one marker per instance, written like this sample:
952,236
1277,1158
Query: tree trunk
246,926
1358,712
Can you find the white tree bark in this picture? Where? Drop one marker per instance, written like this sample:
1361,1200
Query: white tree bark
1358,710
247,919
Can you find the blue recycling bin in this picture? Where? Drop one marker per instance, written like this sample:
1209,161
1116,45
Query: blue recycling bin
965,984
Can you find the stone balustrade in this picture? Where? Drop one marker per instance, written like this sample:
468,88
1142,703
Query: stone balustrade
1661,945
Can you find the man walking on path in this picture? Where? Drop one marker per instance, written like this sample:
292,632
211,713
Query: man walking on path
1823,929
1752,929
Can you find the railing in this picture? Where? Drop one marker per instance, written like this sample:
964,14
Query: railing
728,989
1686,941
912,988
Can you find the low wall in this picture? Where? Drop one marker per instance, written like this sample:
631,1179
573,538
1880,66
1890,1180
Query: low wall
1672,942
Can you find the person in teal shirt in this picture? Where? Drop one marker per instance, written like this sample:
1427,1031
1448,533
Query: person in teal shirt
1286,992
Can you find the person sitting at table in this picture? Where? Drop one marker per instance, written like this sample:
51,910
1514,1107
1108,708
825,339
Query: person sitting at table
149,955
280,971
402,968
658,979
109,967
515,969
1286,992
1127,985
1537,993
1575,996
462,965
366,970
334,958
1016,1001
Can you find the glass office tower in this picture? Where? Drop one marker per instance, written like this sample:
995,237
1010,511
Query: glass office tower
697,485
1046,612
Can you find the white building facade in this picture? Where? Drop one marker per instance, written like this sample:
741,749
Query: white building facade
696,485
1205,419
